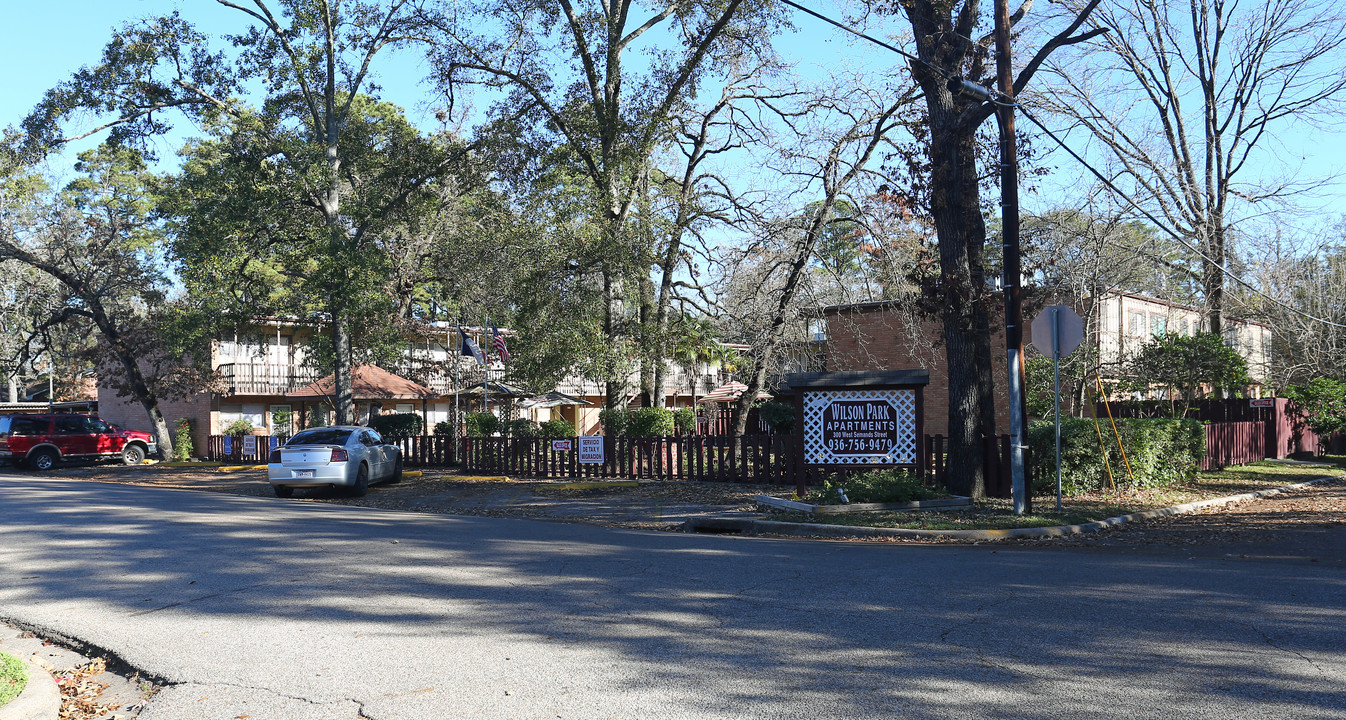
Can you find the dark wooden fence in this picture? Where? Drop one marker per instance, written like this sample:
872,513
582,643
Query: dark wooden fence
1283,425
226,448
417,450
995,463
765,459
1234,443
751,458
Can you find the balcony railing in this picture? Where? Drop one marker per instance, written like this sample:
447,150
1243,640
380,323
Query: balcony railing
264,379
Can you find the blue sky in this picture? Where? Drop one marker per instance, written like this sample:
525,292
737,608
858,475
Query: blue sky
44,43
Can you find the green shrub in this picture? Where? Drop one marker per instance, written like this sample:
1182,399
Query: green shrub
779,416
481,424
650,421
684,419
1162,453
520,428
398,424
238,428
443,427
1323,404
182,440
614,422
558,428
874,486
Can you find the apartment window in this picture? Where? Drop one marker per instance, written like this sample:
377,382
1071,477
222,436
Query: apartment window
282,420
1135,323
1158,325
230,414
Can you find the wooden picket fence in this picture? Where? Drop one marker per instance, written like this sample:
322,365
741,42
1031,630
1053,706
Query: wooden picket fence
751,458
760,459
417,450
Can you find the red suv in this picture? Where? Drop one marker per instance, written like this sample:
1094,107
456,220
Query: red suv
41,441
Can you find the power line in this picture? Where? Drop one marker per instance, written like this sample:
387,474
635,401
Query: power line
1171,232
992,96
874,40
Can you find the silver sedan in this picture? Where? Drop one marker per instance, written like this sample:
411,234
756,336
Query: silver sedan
347,456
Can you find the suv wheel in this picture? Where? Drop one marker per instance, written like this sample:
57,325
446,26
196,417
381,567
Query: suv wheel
133,455
42,460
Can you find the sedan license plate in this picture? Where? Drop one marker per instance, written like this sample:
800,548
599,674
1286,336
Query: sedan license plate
303,473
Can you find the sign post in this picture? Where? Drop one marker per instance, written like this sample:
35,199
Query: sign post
1057,331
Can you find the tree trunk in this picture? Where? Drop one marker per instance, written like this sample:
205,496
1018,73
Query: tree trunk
967,336
140,388
342,381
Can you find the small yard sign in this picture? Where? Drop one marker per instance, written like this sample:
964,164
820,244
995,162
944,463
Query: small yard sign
559,445
591,449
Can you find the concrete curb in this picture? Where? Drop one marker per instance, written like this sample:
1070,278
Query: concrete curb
754,526
40,699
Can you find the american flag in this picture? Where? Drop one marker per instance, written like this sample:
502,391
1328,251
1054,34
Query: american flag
498,341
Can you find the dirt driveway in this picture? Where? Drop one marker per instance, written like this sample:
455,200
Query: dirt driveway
1308,524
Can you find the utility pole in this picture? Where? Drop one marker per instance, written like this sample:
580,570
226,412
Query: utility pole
1009,216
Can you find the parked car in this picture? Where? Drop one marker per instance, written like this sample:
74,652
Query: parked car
346,456
41,441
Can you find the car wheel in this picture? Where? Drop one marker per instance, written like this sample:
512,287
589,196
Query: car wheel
283,491
396,477
42,460
361,485
133,455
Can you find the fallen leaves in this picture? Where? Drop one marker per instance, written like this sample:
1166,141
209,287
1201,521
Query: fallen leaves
80,691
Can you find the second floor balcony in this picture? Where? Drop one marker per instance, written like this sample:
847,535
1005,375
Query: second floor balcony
264,379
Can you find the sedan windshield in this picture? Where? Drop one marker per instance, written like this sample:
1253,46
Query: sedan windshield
321,436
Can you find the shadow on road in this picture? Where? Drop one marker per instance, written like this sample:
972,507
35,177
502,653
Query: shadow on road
722,623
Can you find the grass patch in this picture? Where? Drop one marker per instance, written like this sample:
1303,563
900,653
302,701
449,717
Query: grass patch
996,514
13,677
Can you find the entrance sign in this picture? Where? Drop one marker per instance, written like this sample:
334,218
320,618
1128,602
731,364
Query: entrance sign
860,427
1262,402
858,420
591,449
559,445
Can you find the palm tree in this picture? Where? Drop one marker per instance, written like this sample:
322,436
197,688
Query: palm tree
694,345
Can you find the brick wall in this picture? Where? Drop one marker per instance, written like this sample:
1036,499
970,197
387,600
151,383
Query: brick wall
886,338
127,413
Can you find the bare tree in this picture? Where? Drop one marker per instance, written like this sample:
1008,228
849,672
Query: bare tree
835,138
1305,280
1187,100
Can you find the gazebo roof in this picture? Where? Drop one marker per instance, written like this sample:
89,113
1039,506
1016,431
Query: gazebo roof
730,392
369,382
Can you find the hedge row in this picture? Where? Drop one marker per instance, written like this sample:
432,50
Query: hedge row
1161,453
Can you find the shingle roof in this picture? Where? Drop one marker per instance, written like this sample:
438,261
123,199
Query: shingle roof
370,382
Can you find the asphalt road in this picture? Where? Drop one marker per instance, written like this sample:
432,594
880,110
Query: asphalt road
268,609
